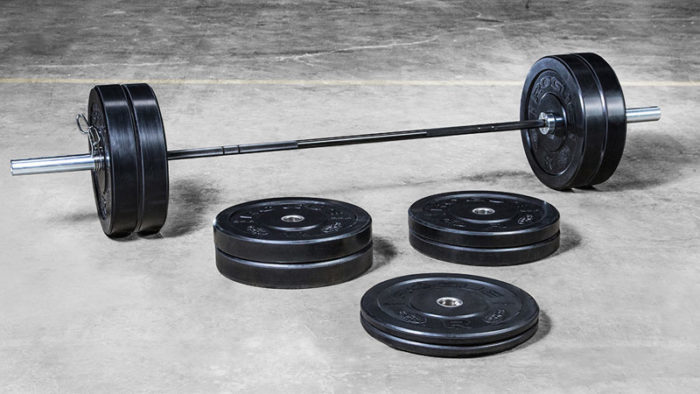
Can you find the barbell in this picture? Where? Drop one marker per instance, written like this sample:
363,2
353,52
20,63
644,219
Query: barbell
573,123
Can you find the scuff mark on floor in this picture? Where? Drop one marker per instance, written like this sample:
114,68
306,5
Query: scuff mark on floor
356,48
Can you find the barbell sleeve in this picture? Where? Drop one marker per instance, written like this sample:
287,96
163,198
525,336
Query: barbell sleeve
643,114
46,165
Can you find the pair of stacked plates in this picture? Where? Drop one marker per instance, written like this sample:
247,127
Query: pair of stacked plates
293,242
484,228
449,315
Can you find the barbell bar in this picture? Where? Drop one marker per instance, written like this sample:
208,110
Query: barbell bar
87,162
573,126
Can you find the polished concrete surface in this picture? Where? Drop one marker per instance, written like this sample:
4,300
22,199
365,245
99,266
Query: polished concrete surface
80,312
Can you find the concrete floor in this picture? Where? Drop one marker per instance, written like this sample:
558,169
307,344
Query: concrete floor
80,312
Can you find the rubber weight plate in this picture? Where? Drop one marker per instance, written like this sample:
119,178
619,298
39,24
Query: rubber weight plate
615,111
485,256
152,153
572,155
483,219
449,309
437,350
292,230
295,275
115,179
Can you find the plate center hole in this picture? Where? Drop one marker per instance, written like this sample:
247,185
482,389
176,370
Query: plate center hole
292,218
483,211
449,302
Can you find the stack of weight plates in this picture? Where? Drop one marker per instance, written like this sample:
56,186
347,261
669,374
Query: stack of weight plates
293,242
449,315
484,228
